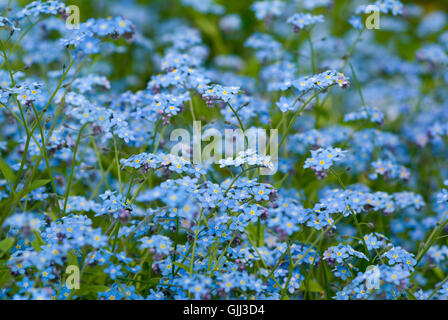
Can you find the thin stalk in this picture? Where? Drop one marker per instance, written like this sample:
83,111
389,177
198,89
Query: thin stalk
358,226
259,255
291,123
194,244
70,179
117,162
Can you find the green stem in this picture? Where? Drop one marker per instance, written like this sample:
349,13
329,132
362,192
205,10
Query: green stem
358,226
438,288
45,154
70,179
313,64
358,86
291,123
117,162
240,123
433,236
194,244
259,255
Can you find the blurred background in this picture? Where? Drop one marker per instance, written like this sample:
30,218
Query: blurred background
153,13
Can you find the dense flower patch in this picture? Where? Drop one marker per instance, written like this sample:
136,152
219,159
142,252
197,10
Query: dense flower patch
350,203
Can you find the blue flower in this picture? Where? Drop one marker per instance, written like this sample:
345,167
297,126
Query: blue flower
302,20
323,159
356,22
114,271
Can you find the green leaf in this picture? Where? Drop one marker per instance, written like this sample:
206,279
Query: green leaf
36,184
439,273
6,244
72,259
98,288
6,171
410,295
313,286
285,297
38,242
4,277
93,289
183,266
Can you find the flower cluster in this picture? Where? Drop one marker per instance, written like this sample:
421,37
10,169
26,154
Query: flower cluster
366,113
249,157
302,20
322,159
161,161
